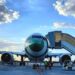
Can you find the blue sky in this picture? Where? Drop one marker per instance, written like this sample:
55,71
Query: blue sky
34,16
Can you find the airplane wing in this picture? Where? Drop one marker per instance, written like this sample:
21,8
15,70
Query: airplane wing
49,54
15,53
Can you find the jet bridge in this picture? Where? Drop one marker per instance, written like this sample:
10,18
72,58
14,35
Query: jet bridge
59,40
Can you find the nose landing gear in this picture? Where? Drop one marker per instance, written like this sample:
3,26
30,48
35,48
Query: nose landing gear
35,66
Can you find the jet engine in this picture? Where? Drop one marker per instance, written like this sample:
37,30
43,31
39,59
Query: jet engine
7,58
64,58
36,47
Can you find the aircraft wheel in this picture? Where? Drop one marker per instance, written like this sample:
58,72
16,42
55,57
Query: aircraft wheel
35,66
69,68
22,63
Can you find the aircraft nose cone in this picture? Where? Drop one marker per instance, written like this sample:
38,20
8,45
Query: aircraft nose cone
35,44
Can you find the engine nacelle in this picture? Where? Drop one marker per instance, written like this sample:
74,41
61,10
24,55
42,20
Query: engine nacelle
7,58
36,46
65,57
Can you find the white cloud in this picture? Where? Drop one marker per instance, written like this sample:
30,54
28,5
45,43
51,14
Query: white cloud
7,15
59,25
54,26
2,2
6,45
65,7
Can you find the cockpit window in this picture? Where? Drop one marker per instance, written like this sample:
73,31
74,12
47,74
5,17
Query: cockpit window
36,44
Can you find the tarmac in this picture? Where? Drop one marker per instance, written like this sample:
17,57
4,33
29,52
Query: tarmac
28,70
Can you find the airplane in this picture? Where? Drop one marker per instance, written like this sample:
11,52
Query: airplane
36,49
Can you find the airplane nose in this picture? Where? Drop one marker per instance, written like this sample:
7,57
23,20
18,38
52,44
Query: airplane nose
36,44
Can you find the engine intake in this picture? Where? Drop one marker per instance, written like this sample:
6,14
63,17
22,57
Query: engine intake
64,58
6,57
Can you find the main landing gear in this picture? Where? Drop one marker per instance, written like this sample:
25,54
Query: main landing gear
22,63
